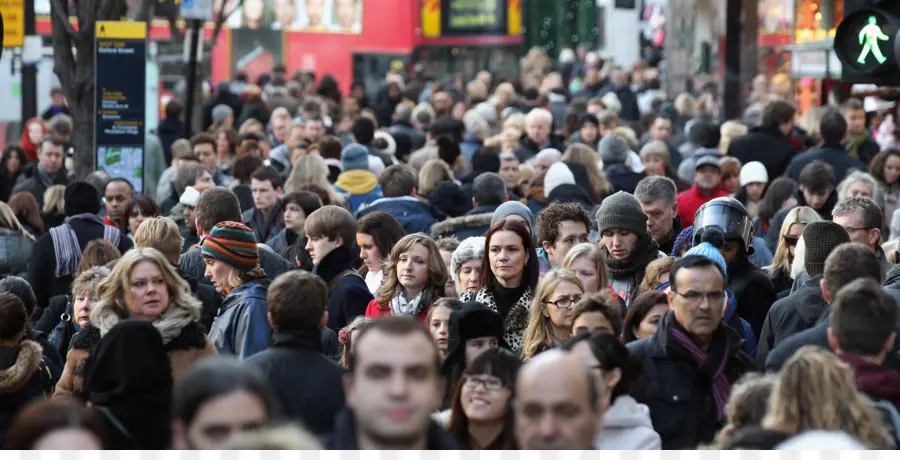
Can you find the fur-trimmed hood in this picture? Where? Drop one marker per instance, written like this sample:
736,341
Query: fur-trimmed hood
27,362
182,312
452,225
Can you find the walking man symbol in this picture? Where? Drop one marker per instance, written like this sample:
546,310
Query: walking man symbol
870,34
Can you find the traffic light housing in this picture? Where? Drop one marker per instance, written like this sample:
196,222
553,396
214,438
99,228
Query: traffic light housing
866,42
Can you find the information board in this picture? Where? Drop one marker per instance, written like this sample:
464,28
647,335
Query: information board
13,12
473,17
120,84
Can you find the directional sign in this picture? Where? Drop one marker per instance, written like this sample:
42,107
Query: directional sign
13,12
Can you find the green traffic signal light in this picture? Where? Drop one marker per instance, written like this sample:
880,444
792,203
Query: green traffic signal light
870,34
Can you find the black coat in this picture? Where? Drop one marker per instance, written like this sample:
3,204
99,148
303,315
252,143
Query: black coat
42,267
348,295
23,378
834,155
753,292
681,404
790,315
527,149
28,181
345,435
207,295
766,145
292,357
622,177
169,131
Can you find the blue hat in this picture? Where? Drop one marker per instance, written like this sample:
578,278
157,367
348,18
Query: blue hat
709,251
355,156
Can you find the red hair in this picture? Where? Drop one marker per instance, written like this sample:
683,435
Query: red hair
29,147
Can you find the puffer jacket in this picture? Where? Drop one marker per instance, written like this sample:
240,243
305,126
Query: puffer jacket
15,252
242,326
627,426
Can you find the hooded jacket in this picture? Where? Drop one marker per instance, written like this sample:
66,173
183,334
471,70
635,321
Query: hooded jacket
414,215
627,426
361,185
24,377
242,325
795,313
473,223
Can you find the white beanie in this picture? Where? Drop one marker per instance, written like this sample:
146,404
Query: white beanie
557,175
753,172
190,197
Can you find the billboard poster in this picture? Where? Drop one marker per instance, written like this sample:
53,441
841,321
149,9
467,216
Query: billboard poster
320,16
256,52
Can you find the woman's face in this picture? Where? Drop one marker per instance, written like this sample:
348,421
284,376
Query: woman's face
755,190
567,295
591,322
81,309
149,295
858,189
440,327
469,276
892,169
793,233
134,221
13,165
225,417
731,184
484,398
204,181
217,272
223,147
654,165
294,217
647,326
368,252
586,271
412,268
479,345
35,132
506,254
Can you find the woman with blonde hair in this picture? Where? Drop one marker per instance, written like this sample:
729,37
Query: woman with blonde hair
794,224
587,157
15,244
414,278
586,261
504,95
431,175
729,131
550,322
747,405
142,285
311,170
657,274
347,336
816,391
515,121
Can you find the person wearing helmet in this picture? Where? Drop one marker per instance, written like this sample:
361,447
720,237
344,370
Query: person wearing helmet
725,223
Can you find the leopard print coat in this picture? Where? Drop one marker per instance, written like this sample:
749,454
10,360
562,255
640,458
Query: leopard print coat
516,321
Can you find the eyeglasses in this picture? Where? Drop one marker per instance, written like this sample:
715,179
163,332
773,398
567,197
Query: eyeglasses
490,383
790,240
565,303
695,298
852,230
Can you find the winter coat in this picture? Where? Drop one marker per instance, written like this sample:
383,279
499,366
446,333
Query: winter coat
414,215
450,199
348,295
375,310
293,357
680,399
527,149
781,281
876,381
469,145
42,267
208,297
834,155
416,137
361,186
690,200
154,164
569,193
29,182
191,263
169,130
15,252
264,227
752,290
24,377
767,145
344,437
242,325
183,338
622,177
627,426
516,320
797,312
473,223
291,247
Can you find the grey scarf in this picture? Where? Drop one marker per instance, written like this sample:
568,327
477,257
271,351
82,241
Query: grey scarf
401,306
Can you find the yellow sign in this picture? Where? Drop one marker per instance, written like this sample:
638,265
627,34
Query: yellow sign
124,30
514,17
13,12
431,18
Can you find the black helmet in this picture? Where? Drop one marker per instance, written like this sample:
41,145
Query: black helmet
729,216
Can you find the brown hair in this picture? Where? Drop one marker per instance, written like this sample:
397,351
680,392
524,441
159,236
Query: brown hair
26,209
331,222
849,262
654,271
530,273
437,270
42,417
601,302
398,180
97,253
876,166
286,312
12,316
216,205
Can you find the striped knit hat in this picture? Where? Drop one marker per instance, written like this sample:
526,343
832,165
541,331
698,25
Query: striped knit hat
235,244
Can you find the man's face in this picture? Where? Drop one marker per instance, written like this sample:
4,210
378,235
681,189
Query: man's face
441,103
816,198
570,233
543,164
315,129
117,195
284,12
58,98
538,130
279,127
856,121
394,388
708,177
295,135
661,129
207,154
619,242
346,12
660,218
264,194
319,247
51,157
221,419
854,225
699,302
315,10
509,171
589,133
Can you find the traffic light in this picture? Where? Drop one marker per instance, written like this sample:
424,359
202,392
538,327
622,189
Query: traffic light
866,42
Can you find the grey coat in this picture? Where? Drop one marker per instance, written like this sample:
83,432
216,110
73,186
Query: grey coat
15,252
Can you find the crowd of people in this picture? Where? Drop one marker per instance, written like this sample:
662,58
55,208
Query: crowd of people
561,260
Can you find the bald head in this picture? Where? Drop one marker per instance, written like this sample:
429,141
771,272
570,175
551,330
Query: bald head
557,406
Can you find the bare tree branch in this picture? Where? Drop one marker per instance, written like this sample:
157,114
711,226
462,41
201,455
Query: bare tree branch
221,17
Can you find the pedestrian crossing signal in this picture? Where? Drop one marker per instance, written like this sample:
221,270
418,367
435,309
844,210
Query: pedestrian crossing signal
866,43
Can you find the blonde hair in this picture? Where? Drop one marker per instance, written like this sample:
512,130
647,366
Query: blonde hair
54,200
515,121
358,323
526,174
9,220
286,437
816,391
162,234
628,134
729,131
654,271
504,94
311,170
592,253
747,405
587,157
431,175
437,270
685,104
539,333
782,258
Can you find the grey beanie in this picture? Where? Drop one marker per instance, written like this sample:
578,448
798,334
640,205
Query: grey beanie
514,208
221,112
622,210
613,149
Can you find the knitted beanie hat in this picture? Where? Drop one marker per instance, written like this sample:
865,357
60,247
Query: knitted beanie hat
821,238
613,149
622,210
355,156
709,251
557,175
514,208
235,244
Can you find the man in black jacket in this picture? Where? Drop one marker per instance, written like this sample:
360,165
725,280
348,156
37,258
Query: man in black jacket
802,309
36,178
393,369
296,353
833,129
768,143
692,360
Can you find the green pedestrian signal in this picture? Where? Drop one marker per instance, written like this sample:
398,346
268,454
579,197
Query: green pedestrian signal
868,37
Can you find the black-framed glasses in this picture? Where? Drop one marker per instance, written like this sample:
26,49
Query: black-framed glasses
489,382
852,230
565,303
790,240
696,297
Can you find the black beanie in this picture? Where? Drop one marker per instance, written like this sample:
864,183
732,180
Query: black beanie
81,198
820,238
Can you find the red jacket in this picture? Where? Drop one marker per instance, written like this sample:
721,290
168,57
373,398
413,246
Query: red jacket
375,311
690,200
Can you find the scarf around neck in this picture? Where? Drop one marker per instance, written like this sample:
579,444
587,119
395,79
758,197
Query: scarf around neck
401,306
647,251
710,363
854,142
